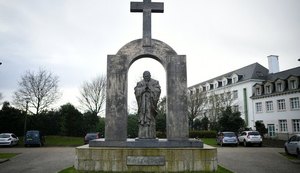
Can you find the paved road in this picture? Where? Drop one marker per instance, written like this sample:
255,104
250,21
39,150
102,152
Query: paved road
236,159
38,160
256,160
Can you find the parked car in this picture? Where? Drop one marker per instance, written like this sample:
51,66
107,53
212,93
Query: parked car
227,138
250,137
91,136
8,139
292,146
34,138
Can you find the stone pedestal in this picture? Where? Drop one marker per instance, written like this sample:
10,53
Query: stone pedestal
122,159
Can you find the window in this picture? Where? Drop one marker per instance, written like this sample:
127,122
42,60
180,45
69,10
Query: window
271,130
235,94
258,107
234,80
258,91
281,104
283,126
235,108
295,103
268,89
216,85
293,84
279,87
197,91
296,125
269,106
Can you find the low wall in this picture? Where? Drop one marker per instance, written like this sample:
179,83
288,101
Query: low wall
146,159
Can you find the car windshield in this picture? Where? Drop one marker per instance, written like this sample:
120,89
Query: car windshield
253,133
4,136
32,134
229,134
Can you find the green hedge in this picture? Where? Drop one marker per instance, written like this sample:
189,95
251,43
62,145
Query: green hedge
202,134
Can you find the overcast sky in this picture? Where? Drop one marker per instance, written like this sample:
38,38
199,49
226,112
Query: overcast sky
72,38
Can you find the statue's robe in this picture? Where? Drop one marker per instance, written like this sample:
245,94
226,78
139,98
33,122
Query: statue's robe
147,96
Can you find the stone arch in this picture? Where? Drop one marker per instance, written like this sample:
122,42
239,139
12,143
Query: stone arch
117,91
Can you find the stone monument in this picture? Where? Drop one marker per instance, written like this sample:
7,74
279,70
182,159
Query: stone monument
116,152
147,94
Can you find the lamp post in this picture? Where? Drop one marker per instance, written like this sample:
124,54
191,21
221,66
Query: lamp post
25,121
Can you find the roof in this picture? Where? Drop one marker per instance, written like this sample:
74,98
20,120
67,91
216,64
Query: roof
252,71
284,74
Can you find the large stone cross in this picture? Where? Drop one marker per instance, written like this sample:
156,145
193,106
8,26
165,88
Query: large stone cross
147,7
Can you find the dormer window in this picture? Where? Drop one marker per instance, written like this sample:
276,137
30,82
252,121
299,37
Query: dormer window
258,91
293,84
268,89
224,82
279,87
207,87
234,80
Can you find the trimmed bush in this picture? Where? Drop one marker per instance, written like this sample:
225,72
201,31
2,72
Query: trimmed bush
202,134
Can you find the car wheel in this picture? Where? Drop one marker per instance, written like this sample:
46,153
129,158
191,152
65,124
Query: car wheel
245,143
260,144
286,151
298,153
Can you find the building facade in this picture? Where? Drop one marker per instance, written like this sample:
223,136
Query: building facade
260,94
237,86
276,103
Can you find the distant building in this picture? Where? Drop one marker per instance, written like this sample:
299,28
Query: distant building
260,94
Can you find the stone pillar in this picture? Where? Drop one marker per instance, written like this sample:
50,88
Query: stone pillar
116,99
177,114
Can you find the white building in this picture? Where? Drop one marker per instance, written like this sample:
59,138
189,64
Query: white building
252,90
276,103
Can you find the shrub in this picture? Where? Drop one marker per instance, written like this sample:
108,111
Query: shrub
202,134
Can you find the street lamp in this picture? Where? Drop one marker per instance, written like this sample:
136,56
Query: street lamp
25,121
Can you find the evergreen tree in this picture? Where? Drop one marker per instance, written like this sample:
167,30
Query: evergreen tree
230,121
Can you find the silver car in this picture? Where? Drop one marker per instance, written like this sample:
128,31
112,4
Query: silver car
292,146
8,139
227,138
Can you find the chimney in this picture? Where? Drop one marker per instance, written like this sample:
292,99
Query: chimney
273,64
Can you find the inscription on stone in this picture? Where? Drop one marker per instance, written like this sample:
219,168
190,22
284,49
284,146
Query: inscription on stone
146,160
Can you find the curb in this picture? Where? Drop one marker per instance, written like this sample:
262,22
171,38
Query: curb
3,160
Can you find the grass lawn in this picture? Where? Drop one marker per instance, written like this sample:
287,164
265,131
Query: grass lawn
73,170
63,141
7,155
210,141
59,141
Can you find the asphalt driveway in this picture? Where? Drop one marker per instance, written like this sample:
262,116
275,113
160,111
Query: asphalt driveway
256,160
38,159
237,159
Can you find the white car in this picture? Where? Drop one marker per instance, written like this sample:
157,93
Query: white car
8,139
292,146
250,137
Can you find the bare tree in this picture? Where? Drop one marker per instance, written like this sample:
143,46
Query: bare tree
216,104
196,101
93,94
38,90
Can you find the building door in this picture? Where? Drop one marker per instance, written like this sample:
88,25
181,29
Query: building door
271,130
